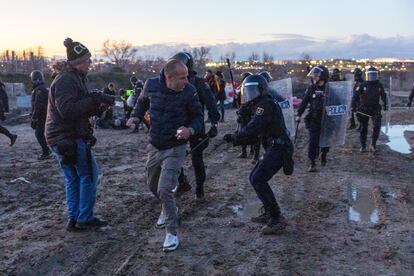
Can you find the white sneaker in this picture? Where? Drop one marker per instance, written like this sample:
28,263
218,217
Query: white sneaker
170,243
161,220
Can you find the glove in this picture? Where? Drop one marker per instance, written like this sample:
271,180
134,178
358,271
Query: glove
229,137
33,124
297,119
385,107
409,104
212,132
2,117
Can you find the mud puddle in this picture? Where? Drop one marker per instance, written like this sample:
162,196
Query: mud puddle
362,207
247,209
398,137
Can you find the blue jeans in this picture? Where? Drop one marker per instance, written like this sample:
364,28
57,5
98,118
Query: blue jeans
81,181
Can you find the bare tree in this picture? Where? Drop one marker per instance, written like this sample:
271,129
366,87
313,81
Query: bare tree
200,56
231,56
267,58
305,56
119,52
254,57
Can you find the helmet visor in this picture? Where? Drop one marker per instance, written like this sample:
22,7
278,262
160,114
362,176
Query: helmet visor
249,91
372,75
315,72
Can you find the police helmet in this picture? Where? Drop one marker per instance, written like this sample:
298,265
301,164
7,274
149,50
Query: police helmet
245,75
185,58
357,73
36,76
253,87
336,74
372,74
133,79
319,71
266,75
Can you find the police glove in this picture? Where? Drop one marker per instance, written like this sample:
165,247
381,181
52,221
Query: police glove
297,119
229,137
2,117
385,107
409,104
212,132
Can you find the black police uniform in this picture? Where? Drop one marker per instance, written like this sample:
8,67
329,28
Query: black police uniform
244,115
268,123
366,100
314,97
4,107
207,100
358,82
39,111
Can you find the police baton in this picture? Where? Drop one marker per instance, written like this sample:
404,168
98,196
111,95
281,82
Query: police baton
359,112
232,80
198,145
296,131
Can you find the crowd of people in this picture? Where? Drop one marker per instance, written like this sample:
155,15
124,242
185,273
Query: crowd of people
171,107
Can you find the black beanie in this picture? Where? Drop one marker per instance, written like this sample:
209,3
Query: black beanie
76,52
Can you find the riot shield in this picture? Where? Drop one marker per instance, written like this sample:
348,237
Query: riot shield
388,112
338,97
284,89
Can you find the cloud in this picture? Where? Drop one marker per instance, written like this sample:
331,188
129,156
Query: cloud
292,46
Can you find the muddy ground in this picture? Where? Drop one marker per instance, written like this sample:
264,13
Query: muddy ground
325,235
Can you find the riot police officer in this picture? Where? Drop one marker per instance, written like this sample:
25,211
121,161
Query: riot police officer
39,111
198,142
365,103
336,75
272,92
314,97
267,122
243,118
358,80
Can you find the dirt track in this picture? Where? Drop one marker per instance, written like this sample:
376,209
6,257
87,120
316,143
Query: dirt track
216,236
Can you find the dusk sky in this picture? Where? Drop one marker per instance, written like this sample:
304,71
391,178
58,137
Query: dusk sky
27,23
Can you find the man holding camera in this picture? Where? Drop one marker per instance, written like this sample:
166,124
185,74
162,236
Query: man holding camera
70,135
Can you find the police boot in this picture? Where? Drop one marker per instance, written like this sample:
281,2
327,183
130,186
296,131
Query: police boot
323,159
363,148
352,126
312,166
275,226
13,138
183,186
45,155
200,193
373,148
264,216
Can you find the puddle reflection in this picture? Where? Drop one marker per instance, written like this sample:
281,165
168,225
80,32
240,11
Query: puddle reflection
362,207
397,137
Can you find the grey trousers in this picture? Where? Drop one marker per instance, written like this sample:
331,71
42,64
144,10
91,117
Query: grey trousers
163,168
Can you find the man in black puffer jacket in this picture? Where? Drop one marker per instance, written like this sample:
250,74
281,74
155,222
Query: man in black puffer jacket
175,116
70,135
39,111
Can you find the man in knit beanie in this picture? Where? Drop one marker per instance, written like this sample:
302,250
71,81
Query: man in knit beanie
70,135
